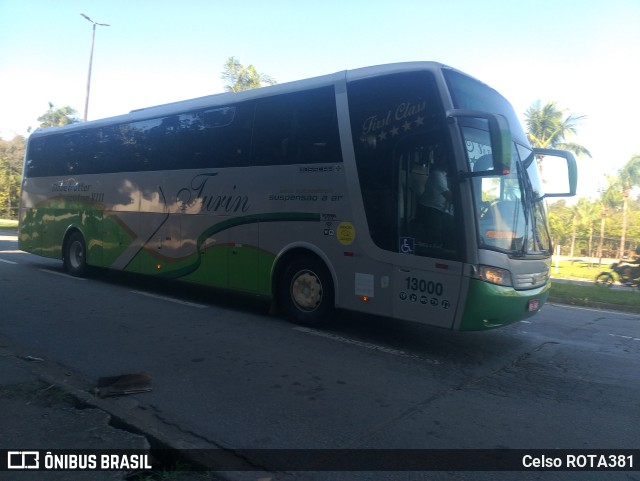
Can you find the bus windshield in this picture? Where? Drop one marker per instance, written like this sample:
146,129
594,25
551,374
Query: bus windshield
510,213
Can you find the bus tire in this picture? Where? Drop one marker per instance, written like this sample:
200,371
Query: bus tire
75,255
306,292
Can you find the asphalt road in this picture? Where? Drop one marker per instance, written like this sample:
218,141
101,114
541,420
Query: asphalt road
226,374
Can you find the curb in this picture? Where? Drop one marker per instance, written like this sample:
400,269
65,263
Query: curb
128,413
602,306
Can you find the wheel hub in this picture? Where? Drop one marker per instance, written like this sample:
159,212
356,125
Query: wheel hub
306,291
76,255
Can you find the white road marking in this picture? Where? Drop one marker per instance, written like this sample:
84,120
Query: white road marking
625,337
592,309
7,262
366,345
170,299
62,274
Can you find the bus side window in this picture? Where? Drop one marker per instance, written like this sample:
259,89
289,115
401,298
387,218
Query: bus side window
37,160
398,127
67,154
226,136
298,128
210,138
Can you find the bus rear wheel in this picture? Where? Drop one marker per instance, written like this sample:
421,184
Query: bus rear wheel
306,292
75,255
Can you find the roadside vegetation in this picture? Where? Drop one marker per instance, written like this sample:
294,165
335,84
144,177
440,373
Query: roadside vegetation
578,269
8,224
627,299
589,295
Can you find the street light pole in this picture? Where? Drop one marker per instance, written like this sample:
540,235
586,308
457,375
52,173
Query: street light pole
93,38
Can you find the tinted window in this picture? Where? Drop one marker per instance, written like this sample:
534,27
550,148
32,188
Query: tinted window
289,129
404,164
468,93
36,164
297,128
214,137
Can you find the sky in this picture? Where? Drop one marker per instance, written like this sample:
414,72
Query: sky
583,54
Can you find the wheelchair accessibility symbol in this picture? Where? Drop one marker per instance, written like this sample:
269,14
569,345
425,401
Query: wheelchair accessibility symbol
407,245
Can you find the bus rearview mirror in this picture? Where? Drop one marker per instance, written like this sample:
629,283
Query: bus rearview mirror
558,171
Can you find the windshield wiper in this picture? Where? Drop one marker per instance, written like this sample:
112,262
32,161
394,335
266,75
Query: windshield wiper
523,178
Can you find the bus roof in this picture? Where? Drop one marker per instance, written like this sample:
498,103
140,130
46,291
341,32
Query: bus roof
228,98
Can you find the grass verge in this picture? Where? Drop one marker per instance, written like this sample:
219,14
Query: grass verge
578,270
595,296
8,224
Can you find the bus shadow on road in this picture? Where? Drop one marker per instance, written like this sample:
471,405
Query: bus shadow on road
427,341
415,339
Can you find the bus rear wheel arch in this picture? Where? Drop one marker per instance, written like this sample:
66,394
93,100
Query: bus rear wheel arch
306,291
74,254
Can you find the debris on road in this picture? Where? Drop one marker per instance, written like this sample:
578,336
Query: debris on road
124,384
33,359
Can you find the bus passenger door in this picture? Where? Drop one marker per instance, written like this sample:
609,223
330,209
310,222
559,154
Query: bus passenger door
426,295
427,274
404,158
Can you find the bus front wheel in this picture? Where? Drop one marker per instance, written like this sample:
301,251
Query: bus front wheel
75,255
306,292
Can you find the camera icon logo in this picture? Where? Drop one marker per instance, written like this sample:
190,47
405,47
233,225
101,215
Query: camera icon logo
23,459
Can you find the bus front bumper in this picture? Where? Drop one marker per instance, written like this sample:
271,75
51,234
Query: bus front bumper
489,306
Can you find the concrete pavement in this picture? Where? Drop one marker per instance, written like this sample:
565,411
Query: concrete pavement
37,412
47,406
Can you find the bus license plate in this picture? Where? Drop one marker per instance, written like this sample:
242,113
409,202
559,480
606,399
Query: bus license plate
534,305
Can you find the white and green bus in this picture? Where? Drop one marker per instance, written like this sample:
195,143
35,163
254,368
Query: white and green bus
407,190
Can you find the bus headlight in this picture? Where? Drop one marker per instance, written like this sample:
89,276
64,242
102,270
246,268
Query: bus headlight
494,275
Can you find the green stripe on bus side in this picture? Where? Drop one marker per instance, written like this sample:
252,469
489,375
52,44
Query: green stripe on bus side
194,264
111,241
43,227
108,237
251,271
42,230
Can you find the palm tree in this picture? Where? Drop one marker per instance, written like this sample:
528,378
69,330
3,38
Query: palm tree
584,213
628,177
610,199
547,128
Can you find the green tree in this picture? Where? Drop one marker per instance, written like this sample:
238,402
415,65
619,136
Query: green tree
11,158
559,222
628,177
610,199
548,128
239,78
585,213
633,227
57,117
